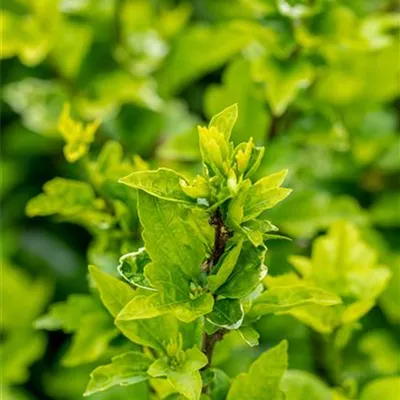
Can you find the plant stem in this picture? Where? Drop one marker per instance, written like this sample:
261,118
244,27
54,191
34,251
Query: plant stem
328,358
210,341
221,236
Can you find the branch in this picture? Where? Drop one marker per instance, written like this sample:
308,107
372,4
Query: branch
222,235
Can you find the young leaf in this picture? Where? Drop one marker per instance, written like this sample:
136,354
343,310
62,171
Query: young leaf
247,274
265,194
182,372
264,377
90,341
171,235
90,323
114,293
215,151
249,335
125,369
225,267
284,298
301,385
61,196
155,333
174,294
188,384
383,388
162,183
77,136
219,384
131,268
213,47
238,85
225,120
227,313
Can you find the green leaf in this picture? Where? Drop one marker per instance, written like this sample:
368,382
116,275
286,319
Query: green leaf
215,150
383,388
172,237
384,211
188,384
78,137
247,274
131,268
321,319
39,102
265,194
71,47
113,293
213,47
219,385
171,298
125,369
355,311
283,298
309,211
162,183
379,345
154,333
90,341
350,266
225,120
61,196
19,349
86,318
264,377
238,86
183,374
390,299
227,313
225,267
17,287
283,80
66,315
249,335
143,307
301,385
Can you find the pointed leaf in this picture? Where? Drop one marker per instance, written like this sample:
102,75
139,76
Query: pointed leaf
162,183
225,120
283,298
125,369
247,274
265,194
114,293
263,380
227,313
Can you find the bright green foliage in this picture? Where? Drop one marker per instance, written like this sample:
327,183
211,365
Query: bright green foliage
163,183
283,298
84,317
125,369
21,344
77,137
316,83
381,388
264,377
178,238
300,385
344,265
199,266
182,370
200,273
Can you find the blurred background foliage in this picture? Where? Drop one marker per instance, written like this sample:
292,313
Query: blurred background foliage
316,81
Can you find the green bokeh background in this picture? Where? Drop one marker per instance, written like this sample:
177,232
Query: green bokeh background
316,81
